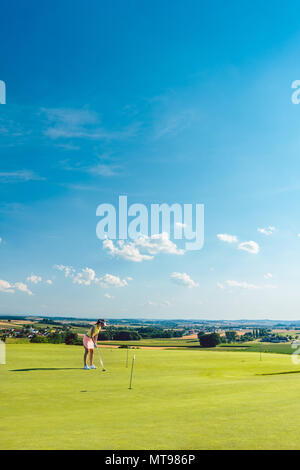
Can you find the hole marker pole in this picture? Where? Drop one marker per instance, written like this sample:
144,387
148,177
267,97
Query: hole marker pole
260,352
133,358
127,356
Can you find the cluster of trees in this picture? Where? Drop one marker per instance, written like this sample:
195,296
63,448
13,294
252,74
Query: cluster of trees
154,332
128,334
118,335
209,340
48,321
3,335
67,337
275,338
259,332
247,337
254,334
230,336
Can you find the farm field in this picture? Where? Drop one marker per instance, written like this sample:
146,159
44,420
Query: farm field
181,399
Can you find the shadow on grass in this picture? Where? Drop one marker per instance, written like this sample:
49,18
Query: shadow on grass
46,368
281,373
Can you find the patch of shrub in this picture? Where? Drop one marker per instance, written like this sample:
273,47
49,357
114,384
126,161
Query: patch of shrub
39,339
72,338
210,340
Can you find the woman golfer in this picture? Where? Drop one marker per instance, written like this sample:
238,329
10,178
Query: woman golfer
90,341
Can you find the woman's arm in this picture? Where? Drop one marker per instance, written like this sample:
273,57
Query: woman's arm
94,337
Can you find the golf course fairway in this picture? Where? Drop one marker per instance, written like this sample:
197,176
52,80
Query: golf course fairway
181,399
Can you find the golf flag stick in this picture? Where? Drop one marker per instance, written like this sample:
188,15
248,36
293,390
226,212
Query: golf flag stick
133,358
101,362
127,356
260,352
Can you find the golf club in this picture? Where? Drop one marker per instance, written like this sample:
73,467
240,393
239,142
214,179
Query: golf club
101,362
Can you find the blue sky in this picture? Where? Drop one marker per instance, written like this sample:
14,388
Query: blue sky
186,102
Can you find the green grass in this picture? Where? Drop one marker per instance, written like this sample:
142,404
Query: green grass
181,399
252,346
157,342
279,348
17,340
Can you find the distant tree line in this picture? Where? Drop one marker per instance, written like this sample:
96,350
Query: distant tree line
110,334
154,332
118,335
129,334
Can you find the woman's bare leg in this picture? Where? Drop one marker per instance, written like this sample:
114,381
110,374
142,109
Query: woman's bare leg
91,356
86,351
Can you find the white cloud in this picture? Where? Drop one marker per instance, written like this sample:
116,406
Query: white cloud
247,285
267,231
126,251
22,287
268,276
49,282
5,286
34,279
227,238
109,280
83,124
243,285
165,303
251,247
19,176
98,169
220,285
173,124
85,277
183,279
108,296
144,248
103,169
68,270
159,243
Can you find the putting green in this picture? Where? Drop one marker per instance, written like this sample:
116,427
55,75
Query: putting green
180,400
